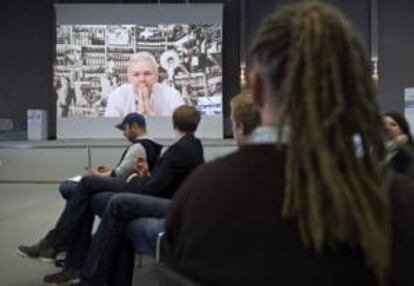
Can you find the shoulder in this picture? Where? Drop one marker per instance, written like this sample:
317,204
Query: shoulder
216,168
136,146
188,141
166,90
124,89
136,149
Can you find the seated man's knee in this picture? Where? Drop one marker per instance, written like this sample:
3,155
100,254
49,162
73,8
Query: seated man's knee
118,205
100,201
67,188
87,181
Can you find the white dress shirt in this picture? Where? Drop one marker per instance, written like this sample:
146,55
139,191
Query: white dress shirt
124,100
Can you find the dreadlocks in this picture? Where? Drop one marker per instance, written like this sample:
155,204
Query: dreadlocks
314,63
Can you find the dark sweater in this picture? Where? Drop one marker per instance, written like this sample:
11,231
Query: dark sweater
171,169
225,228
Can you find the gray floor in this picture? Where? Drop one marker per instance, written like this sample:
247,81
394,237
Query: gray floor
27,211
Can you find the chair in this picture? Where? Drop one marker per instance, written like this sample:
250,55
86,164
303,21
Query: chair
160,239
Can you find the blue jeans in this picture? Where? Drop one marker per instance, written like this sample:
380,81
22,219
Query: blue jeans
100,201
143,234
67,188
109,240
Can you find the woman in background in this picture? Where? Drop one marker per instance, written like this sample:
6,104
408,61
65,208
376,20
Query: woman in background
400,142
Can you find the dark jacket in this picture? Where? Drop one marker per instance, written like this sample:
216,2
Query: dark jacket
171,169
225,228
402,160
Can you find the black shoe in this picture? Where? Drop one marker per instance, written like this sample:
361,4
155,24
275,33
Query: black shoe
41,251
67,276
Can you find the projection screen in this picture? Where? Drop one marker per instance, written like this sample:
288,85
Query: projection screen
110,56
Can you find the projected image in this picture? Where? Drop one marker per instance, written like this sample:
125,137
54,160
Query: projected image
111,70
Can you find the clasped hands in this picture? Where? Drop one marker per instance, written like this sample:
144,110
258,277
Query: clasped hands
141,169
144,103
101,170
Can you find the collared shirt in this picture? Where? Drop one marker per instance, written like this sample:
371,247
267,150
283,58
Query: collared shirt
268,135
124,100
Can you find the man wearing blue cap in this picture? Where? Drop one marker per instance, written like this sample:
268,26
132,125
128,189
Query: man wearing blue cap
134,128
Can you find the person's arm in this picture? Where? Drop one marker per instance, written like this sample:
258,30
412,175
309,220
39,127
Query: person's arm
402,198
177,214
162,177
127,166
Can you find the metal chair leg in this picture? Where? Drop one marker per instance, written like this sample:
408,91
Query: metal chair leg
160,239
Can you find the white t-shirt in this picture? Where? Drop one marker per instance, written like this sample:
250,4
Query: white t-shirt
124,100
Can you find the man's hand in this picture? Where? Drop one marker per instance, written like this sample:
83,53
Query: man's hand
144,106
141,167
102,171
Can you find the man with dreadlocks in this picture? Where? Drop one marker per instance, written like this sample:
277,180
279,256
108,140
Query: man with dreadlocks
309,200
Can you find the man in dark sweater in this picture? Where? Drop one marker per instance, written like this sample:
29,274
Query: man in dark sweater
298,205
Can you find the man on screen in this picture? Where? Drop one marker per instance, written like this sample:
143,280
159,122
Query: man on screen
143,93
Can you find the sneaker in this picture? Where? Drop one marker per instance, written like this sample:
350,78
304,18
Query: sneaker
68,276
41,251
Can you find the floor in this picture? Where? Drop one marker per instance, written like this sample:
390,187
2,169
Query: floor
27,212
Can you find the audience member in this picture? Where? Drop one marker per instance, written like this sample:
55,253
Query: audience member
400,142
134,128
298,205
245,116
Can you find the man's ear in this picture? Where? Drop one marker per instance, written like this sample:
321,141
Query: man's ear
257,83
242,128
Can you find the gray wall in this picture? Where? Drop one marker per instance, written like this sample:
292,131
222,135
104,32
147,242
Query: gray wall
396,52
357,11
26,53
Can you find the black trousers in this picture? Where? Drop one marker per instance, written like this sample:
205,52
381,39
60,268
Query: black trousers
74,226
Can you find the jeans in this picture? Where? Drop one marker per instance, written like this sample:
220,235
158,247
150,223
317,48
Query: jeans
74,226
100,201
143,234
67,188
109,240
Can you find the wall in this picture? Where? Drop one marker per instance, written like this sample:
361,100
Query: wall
17,158
26,53
396,52
357,11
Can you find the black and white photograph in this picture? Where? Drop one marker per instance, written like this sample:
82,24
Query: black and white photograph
99,69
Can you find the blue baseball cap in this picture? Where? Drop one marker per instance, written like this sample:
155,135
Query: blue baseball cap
132,118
